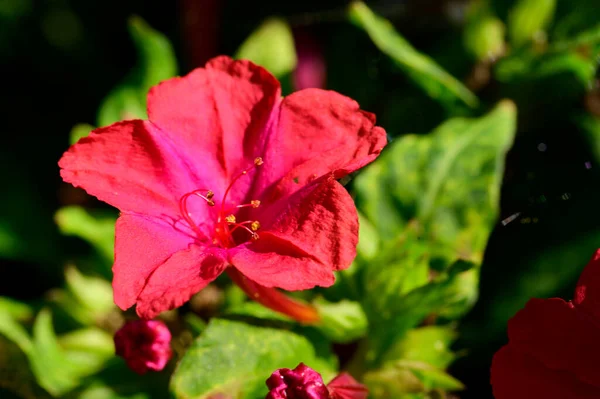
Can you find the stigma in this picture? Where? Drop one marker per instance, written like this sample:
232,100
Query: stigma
226,224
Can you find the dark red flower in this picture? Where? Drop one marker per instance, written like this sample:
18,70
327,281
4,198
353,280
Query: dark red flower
227,174
554,346
144,344
305,383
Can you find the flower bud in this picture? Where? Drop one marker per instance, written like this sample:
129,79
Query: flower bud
299,383
305,383
144,344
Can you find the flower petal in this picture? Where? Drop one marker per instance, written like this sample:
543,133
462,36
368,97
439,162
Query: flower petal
587,291
177,279
216,114
344,386
141,245
559,336
308,236
516,375
130,166
317,132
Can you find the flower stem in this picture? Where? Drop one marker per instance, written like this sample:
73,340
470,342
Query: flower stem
274,299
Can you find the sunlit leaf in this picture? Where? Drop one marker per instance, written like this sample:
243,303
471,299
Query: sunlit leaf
271,46
484,32
423,70
528,20
234,359
448,182
342,321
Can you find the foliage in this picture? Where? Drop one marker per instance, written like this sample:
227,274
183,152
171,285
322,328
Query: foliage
403,319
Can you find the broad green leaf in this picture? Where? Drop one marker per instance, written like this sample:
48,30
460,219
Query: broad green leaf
13,330
343,321
97,228
408,379
94,293
235,359
15,309
401,269
408,311
156,62
79,131
430,344
484,32
528,20
53,370
423,70
271,46
448,182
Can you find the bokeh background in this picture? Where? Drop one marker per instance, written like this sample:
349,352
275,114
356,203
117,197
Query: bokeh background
60,58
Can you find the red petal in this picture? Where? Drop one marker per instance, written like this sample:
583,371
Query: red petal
344,386
587,292
181,276
310,234
519,376
216,115
141,245
130,166
317,132
554,333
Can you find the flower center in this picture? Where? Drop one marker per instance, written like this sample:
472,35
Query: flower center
227,223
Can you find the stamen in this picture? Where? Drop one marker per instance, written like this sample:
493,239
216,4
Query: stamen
257,162
230,219
255,225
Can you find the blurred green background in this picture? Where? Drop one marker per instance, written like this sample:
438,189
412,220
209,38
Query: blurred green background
61,58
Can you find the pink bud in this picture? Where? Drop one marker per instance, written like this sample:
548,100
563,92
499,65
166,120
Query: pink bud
305,383
299,383
144,344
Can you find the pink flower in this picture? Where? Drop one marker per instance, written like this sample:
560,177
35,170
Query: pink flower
553,347
144,344
227,175
305,383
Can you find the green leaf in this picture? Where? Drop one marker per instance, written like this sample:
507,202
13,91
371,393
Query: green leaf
271,46
407,378
156,62
484,32
528,19
94,293
448,182
408,311
53,370
97,228
430,344
235,359
423,70
10,312
343,321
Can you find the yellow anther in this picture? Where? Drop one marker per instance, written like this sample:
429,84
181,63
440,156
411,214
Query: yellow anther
210,202
255,203
255,225
258,161
255,237
230,218
209,194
